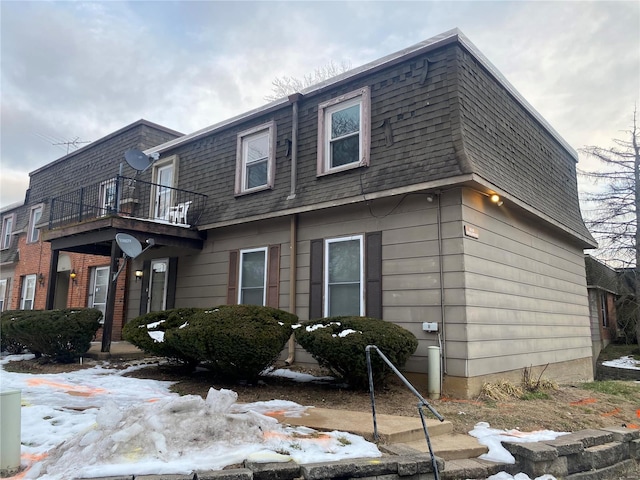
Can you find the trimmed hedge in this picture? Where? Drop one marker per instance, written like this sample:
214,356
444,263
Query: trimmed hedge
339,343
237,342
63,335
138,332
8,343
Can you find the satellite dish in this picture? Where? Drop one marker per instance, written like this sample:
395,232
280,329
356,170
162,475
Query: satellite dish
129,244
137,159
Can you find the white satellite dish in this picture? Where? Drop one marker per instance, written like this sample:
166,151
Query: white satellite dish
129,244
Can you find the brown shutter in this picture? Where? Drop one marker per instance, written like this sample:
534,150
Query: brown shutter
273,277
171,282
144,289
373,266
315,287
232,286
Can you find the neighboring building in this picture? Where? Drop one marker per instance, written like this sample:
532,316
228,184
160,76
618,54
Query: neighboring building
603,287
418,188
81,278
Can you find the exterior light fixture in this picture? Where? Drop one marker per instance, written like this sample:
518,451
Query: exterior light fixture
139,274
41,279
73,276
495,198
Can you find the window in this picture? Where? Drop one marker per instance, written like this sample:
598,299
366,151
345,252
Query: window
344,132
7,230
253,277
98,289
3,293
108,196
158,285
344,277
603,309
164,179
255,161
28,292
34,218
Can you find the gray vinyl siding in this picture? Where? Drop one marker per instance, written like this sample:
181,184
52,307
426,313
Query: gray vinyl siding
525,294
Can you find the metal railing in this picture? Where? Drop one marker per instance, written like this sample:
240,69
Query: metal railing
128,197
422,403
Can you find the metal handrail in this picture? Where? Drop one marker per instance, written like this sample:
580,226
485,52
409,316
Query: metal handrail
422,402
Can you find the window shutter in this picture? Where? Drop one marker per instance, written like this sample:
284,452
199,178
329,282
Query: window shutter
171,283
373,265
315,286
144,292
273,277
232,285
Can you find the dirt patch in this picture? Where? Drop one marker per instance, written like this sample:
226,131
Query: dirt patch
567,408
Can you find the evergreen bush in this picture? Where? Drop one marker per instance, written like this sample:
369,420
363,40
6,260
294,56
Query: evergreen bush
338,343
237,342
7,342
148,332
62,335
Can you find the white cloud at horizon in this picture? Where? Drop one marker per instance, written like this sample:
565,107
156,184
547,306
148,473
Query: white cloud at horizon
83,70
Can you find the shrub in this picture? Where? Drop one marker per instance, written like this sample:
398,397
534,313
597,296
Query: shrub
147,332
237,342
7,342
63,335
338,343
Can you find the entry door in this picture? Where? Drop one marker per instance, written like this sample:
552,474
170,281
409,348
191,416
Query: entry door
28,292
164,181
158,285
98,289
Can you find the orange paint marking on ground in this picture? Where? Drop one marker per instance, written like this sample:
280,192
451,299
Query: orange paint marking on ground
638,413
584,401
152,400
70,389
633,426
275,413
613,412
29,457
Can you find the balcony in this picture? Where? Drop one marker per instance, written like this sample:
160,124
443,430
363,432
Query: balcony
128,198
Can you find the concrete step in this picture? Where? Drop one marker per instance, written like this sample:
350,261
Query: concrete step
450,447
391,428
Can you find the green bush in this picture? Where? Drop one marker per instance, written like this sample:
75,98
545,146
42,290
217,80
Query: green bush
237,342
139,332
7,342
339,343
62,335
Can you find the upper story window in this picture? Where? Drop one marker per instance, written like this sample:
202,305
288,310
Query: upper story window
344,132
34,218
7,230
255,161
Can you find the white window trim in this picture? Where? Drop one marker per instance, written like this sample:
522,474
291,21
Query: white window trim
264,280
4,286
325,280
173,161
33,225
7,232
241,162
363,96
23,297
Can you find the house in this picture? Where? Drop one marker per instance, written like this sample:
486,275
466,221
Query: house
420,188
603,286
33,278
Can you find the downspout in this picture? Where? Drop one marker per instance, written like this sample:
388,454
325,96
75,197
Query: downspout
293,225
443,346
293,252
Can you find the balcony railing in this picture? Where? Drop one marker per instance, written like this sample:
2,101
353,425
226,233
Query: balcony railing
128,197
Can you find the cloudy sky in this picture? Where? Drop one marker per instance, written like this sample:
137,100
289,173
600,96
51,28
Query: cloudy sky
76,71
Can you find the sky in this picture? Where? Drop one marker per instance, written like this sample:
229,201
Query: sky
99,422
77,71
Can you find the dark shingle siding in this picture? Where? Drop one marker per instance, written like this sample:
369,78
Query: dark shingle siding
510,149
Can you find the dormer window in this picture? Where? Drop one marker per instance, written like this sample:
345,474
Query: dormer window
255,161
7,231
344,132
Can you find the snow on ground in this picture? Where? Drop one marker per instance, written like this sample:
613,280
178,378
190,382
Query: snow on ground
628,363
97,422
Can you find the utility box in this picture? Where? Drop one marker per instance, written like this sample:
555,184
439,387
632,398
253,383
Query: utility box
429,326
9,432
